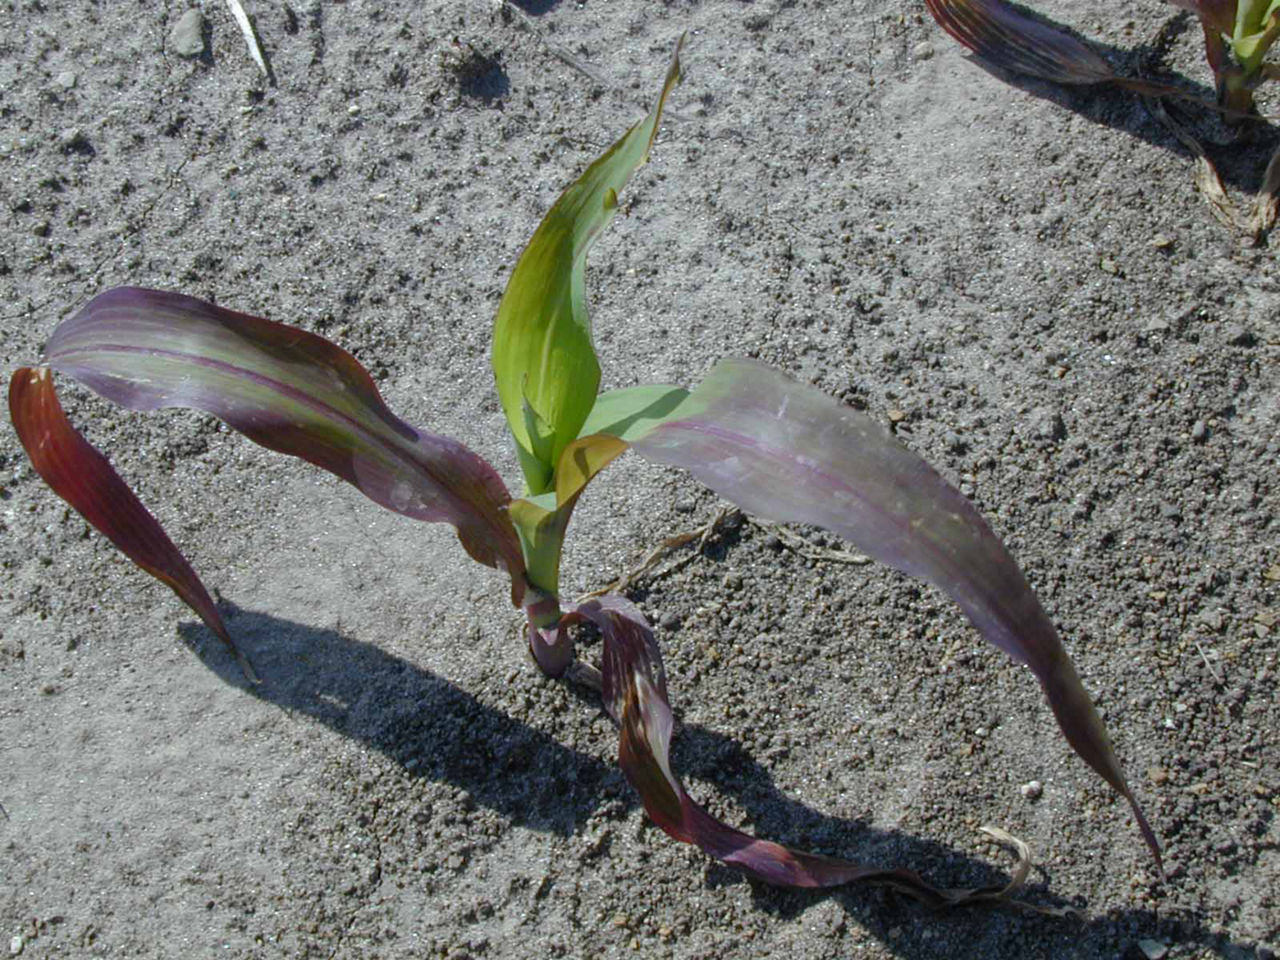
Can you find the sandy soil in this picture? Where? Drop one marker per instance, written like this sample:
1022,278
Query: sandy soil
1023,278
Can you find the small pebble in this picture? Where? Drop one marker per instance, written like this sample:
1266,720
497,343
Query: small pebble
1110,266
1032,790
73,140
1153,949
1161,242
1238,336
1049,424
1199,431
16,944
187,37
897,416
66,80
685,505
1211,619
923,50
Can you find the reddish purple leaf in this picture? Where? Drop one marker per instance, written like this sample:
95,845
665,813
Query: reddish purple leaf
635,695
1220,15
80,475
290,391
1005,36
785,451
282,387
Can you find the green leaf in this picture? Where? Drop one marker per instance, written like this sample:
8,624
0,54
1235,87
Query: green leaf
618,417
629,412
543,356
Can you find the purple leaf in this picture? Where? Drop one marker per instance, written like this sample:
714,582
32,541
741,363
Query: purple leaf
81,475
787,452
634,689
1005,36
1218,14
290,391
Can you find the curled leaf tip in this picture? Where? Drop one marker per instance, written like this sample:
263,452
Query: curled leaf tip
77,472
635,696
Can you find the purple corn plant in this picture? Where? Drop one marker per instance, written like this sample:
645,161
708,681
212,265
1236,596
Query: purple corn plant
1237,35
758,438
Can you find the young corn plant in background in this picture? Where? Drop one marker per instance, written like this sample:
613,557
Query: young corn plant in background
769,444
1237,36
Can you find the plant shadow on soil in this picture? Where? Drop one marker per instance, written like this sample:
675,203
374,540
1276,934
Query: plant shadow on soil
1240,162
433,729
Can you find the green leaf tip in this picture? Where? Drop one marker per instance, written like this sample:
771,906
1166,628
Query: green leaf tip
543,357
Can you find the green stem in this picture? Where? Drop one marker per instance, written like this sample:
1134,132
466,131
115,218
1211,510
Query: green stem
541,526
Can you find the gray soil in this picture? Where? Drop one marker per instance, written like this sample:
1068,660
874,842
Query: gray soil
1023,279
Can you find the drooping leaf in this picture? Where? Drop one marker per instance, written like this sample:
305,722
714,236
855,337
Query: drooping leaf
286,389
634,691
78,473
1004,35
789,453
543,357
1010,38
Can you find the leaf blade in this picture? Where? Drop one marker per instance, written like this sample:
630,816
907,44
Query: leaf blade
79,473
1003,35
617,416
542,352
634,692
290,391
787,452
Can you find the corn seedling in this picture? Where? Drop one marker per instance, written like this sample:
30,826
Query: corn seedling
777,448
1237,36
